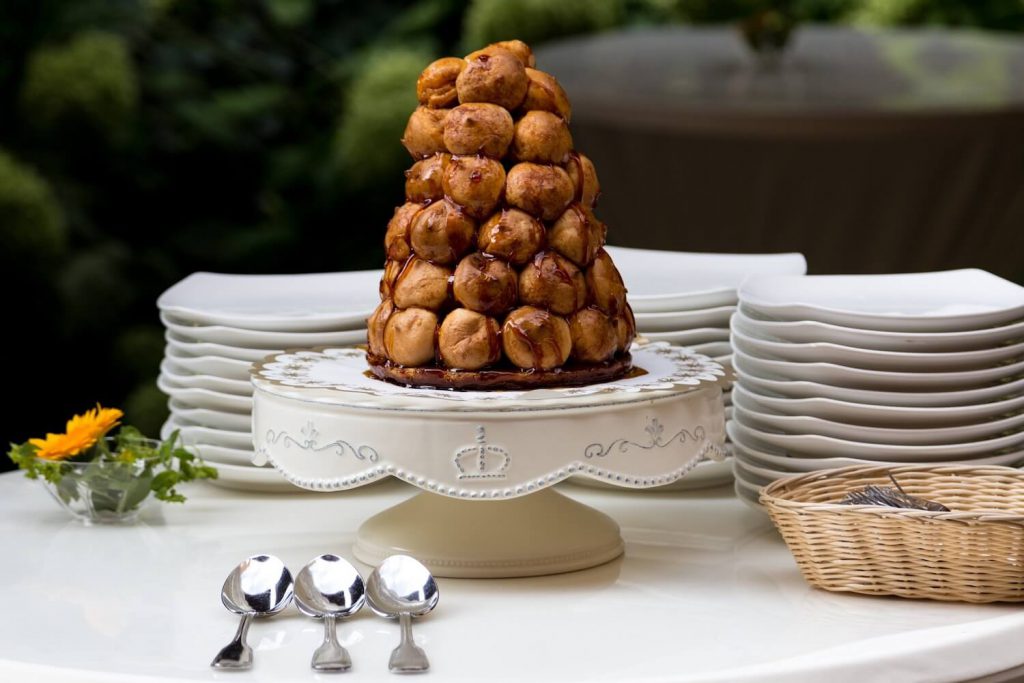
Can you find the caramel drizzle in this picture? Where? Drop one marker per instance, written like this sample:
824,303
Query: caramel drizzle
537,320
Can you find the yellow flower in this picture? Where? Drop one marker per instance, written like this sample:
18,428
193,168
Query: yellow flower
82,432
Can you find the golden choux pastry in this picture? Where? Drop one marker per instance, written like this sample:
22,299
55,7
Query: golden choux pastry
468,340
535,339
552,281
424,134
541,137
542,191
392,269
625,329
513,235
436,85
475,183
519,49
409,337
543,93
478,128
423,182
396,240
594,336
496,275
421,284
493,75
441,232
375,327
577,235
584,178
485,284
607,290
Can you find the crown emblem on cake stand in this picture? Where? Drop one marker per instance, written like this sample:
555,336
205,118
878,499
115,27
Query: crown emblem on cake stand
482,460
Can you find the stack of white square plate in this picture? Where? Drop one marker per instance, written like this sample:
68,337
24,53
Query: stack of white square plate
218,325
884,369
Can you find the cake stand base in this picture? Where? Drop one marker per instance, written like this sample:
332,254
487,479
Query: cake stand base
535,535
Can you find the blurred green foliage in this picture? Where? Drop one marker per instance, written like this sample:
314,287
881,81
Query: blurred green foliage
141,140
89,85
379,101
1007,15
32,226
535,21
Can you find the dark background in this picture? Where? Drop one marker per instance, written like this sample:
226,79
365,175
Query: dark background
141,140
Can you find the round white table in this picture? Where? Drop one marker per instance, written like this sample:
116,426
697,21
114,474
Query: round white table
706,592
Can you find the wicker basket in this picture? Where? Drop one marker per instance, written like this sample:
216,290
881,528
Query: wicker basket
974,553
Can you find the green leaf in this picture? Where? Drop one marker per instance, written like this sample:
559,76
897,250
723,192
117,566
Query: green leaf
290,13
118,478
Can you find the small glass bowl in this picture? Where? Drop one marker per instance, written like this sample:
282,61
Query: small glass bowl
103,492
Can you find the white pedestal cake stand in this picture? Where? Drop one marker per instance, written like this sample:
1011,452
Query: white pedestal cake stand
486,460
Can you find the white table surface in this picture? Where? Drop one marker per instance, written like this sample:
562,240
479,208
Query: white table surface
706,592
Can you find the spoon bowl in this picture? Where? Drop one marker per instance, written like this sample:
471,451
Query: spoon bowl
329,588
402,588
259,586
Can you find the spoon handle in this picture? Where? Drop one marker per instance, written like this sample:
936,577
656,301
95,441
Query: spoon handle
331,656
407,657
237,654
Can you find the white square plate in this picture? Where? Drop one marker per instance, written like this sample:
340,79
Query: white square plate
942,301
855,413
876,380
682,320
296,303
747,447
874,359
217,419
771,384
760,415
818,446
262,339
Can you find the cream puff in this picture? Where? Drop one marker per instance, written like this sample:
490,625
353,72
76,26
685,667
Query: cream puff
478,128
435,87
511,234
535,339
409,337
424,134
441,232
485,284
553,282
468,340
542,191
493,75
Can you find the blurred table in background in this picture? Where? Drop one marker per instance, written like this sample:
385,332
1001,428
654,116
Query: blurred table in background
868,151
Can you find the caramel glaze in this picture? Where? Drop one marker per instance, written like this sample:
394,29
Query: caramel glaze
569,375
543,86
493,296
574,158
531,326
635,371
499,228
552,270
454,216
423,180
589,248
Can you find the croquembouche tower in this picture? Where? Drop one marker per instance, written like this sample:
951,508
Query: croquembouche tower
496,275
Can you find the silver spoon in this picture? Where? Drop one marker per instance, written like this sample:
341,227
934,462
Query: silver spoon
329,588
403,588
260,586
